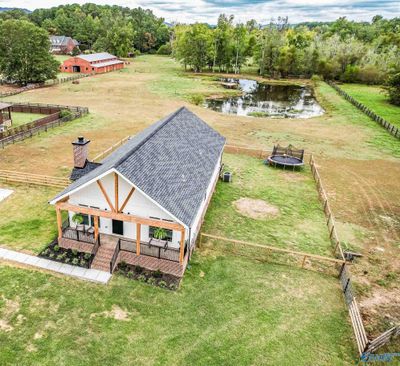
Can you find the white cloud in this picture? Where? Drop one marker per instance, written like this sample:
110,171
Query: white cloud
262,11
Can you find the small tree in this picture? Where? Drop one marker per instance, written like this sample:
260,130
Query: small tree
24,53
393,88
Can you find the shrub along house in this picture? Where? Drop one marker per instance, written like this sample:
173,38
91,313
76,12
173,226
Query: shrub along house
143,204
97,63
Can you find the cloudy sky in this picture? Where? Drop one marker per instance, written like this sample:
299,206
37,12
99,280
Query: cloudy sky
261,10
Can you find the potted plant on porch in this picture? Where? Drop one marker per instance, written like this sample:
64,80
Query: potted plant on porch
78,220
160,233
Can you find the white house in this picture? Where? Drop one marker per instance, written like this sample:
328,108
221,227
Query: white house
163,177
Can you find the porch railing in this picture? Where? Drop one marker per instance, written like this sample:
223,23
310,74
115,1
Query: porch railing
147,249
115,256
78,235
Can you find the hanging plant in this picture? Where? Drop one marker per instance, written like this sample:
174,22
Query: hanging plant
159,233
77,219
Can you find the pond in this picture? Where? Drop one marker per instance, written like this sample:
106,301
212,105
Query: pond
267,100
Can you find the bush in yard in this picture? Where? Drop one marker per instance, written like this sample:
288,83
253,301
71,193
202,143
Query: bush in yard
197,99
75,252
351,74
157,274
24,53
393,88
142,278
165,49
75,261
56,248
66,113
87,256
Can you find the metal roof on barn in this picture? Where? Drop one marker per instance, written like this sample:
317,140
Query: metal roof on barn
97,56
172,162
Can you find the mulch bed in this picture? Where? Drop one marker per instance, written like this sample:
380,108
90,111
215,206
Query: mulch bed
155,278
68,256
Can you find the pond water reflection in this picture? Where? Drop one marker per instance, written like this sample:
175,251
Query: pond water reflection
267,100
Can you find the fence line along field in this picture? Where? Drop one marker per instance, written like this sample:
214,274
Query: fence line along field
358,162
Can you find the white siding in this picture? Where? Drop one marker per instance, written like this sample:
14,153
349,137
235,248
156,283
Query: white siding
138,205
209,192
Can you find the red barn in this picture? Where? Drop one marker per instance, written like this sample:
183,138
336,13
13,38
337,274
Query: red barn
94,63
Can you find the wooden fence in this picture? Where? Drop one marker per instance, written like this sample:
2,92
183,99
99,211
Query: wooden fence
43,85
364,345
36,179
23,132
304,260
108,151
393,130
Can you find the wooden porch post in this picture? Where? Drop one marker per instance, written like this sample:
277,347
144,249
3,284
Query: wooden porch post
96,227
182,246
59,222
138,228
116,192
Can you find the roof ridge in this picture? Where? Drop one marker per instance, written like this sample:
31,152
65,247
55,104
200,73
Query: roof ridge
166,120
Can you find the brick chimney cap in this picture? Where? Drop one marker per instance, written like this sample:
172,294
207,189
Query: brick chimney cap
81,141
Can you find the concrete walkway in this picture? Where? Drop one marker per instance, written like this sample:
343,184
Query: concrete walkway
93,275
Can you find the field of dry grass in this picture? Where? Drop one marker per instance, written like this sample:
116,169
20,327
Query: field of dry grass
359,161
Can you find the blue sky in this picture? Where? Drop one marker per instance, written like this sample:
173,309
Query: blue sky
261,10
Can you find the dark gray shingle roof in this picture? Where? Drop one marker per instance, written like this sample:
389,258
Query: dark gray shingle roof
80,172
171,161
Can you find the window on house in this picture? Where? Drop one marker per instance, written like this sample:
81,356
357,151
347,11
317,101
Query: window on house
86,219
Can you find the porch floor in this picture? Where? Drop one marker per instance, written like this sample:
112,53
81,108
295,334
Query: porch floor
106,250
154,264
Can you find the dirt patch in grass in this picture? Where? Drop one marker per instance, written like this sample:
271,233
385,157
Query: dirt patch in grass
10,309
255,208
115,313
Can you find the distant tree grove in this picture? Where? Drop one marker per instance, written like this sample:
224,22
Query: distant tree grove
115,29
344,50
366,52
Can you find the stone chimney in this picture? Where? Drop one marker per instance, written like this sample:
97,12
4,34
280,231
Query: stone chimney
81,152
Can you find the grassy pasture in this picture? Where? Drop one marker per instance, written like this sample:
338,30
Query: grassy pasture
374,97
19,118
229,310
358,161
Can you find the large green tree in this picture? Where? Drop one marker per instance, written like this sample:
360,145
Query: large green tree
24,53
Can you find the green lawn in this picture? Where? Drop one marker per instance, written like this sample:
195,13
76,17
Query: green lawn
300,224
374,98
19,118
27,221
229,311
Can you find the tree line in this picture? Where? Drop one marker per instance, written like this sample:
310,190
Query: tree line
367,52
115,29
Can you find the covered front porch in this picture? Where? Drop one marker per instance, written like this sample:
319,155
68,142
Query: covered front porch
109,250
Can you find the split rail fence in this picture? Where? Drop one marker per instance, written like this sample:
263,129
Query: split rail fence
393,130
43,85
364,344
108,151
274,254
35,179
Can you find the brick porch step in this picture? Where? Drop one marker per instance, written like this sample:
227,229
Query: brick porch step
103,258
